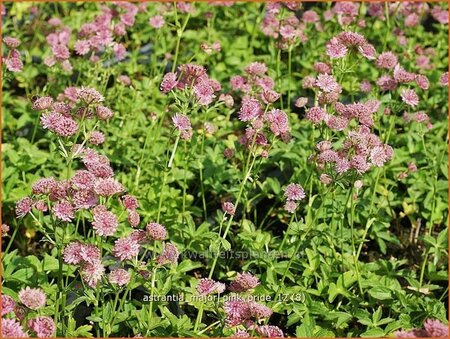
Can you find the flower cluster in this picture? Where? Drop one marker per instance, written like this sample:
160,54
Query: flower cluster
344,42
257,90
286,27
194,79
14,315
293,193
432,329
13,59
59,42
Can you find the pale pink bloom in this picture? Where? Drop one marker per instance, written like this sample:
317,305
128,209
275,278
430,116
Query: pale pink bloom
43,326
64,211
89,95
169,255
422,81
410,97
42,103
156,231
8,304
241,334
119,51
92,272
315,114
82,47
125,248
325,179
133,218
435,328
23,207
11,328
327,83
444,79
33,298
130,202
368,51
227,99
278,122
181,122
207,286
250,109
96,138
243,282
400,75
365,86
259,311
11,42
119,276
387,60
228,207
103,113
60,124
301,102
386,83
14,64
335,49
156,21
256,68
290,206
310,16
107,187
269,331
124,79
105,222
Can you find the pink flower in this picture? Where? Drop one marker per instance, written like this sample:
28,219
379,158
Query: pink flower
14,64
119,51
241,334
130,202
108,187
243,282
327,83
124,79
23,207
62,125
119,276
125,248
387,60
386,83
33,298
43,326
256,68
269,96
269,331
236,311
400,75
96,138
278,121
294,192
11,42
444,79
105,222
368,51
228,207
156,231
325,179
181,122
42,103
103,113
336,49
316,114
8,304
169,255
89,95
259,311
92,272
422,81
156,21
133,218
301,102
11,328
64,211
365,86
410,97
290,206
208,286
250,109
435,328
82,47
204,92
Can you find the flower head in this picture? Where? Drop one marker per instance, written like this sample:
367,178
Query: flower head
11,328
243,282
207,286
156,231
43,326
33,298
294,192
119,276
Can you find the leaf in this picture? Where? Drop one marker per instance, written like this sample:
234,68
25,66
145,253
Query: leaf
373,333
380,293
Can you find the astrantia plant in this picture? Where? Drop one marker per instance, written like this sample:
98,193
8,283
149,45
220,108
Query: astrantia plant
224,169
